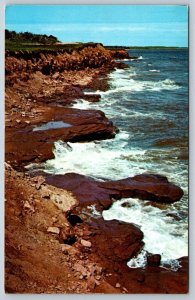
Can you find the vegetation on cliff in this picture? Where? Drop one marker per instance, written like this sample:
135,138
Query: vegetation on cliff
28,37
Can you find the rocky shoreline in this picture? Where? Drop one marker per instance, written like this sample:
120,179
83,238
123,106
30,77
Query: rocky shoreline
54,244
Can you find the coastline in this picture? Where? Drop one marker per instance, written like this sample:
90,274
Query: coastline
34,98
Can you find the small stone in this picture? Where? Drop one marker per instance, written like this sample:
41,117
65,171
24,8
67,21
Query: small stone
27,122
97,282
117,285
18,121
91,283
56,75
41,180
53,230
81,277
79,268
85,243
28,206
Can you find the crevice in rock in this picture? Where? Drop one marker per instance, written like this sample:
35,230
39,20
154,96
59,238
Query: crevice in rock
70,240
74,220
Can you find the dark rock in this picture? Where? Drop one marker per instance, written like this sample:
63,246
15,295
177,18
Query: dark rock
153,260
70,240
119,54
126,204
85,189
174,216
92,97
146,187
89,191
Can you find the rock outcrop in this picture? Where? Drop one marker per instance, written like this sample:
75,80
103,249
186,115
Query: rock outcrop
48,62
101,194
25,143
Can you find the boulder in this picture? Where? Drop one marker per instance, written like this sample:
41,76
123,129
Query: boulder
115,240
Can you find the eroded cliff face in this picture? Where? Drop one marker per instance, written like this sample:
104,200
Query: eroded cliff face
50,62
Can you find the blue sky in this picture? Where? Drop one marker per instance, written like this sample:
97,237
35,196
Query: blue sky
131,25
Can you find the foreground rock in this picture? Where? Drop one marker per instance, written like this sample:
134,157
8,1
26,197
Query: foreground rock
115,240
32,139
92,192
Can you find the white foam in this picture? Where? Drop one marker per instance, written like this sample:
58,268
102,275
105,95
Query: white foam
122,81
82,104
94,158
154,70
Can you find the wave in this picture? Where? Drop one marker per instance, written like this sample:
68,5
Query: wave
163,229
154,70
131,85
109,163
122,81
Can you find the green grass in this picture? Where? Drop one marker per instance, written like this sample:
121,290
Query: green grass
145,47
32,47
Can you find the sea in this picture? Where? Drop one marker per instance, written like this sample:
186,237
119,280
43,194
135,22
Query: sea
148,102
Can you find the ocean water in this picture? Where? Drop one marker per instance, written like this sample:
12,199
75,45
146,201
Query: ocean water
148,102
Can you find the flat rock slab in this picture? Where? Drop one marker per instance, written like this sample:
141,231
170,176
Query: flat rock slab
25,144
89,191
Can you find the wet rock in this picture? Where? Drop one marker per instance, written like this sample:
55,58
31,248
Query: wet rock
147,187
126,204
174,216
25,146
117,241
89,191
153,260
85,189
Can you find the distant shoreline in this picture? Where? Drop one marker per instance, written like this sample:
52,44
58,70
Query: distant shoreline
146,47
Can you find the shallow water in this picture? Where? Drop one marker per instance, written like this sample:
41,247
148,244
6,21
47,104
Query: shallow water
52,125
149,103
